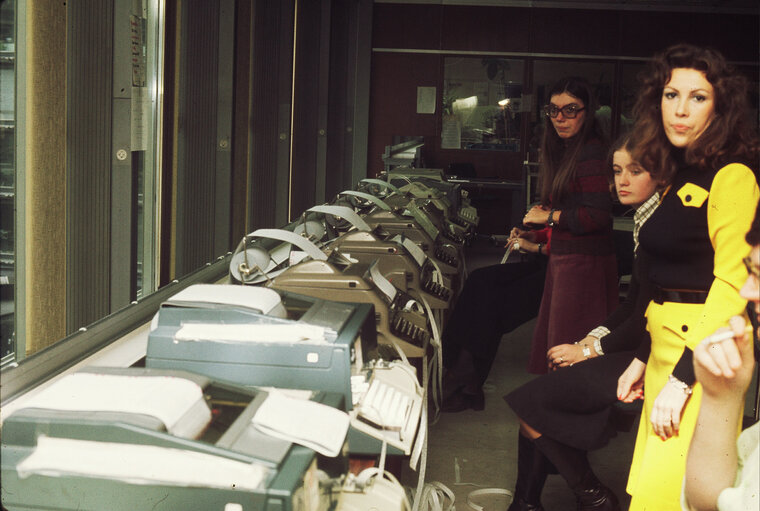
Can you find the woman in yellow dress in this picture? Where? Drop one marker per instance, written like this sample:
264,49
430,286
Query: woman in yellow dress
692,132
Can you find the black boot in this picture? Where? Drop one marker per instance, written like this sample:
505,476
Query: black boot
573,466
532,467
591,494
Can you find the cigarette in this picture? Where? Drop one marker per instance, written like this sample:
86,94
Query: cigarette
724,336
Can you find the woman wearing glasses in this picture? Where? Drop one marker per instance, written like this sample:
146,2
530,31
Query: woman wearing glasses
692,128
581,278
575,221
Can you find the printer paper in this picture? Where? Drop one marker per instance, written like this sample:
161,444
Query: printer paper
139,464
251,332
176,402
313,425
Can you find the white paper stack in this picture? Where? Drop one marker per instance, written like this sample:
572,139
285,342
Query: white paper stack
139,464
176,402
251,332
313,425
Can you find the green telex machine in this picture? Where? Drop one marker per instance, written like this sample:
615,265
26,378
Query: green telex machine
133,439
256,336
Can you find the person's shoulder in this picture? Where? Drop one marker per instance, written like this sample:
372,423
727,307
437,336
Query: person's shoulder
737,170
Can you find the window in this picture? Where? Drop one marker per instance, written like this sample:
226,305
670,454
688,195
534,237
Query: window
82,185
482,103
7,180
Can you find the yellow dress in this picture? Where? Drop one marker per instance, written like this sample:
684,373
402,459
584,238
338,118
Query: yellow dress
658,466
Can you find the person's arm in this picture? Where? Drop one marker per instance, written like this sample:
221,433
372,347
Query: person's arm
725,370
534,242
733,193
626,326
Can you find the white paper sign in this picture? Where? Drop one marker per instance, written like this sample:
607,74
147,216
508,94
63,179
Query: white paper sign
426,100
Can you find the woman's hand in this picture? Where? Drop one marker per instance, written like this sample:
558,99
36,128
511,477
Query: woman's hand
521,234
631,383
522,240
564,355
666,412
536,215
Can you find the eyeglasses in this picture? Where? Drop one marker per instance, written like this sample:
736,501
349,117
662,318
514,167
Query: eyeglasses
568,111
752,269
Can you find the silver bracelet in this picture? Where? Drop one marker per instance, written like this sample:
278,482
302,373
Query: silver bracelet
679,384
599,332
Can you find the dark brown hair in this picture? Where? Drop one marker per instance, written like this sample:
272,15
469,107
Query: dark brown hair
558,155
730,134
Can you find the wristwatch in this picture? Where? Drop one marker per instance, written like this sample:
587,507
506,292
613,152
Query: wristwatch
551,222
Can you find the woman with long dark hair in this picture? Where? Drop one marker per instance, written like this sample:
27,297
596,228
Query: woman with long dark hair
692,130
573,227
581,287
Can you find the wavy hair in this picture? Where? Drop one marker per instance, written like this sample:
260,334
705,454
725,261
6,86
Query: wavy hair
558,155
730,134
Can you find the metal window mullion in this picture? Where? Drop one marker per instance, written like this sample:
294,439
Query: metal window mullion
19,290
224,105
323,74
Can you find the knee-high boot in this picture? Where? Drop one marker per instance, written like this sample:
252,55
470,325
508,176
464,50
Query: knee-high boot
573,466
532,468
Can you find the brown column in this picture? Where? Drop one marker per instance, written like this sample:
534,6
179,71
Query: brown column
45,174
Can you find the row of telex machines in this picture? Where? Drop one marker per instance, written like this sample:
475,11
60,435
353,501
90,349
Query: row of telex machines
254,396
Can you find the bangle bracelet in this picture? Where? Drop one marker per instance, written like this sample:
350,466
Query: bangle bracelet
679,384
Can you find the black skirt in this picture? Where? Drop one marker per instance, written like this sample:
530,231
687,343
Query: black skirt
573,405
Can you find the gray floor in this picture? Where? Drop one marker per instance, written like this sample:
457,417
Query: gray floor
471,450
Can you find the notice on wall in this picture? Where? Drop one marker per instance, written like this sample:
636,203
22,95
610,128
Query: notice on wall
451,134
426,100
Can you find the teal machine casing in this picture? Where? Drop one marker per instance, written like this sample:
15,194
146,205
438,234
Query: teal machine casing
325,367
282,490
322,367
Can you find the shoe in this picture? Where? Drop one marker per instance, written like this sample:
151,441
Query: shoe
573,466
519,504
462,400
592,495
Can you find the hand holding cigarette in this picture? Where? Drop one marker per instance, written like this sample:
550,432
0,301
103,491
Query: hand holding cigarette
723,361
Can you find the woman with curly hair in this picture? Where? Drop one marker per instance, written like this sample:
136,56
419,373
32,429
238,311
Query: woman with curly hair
692,132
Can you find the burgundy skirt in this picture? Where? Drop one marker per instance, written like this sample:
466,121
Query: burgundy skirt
579,293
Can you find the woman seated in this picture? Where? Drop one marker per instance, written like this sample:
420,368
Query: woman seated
566,413
573,226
